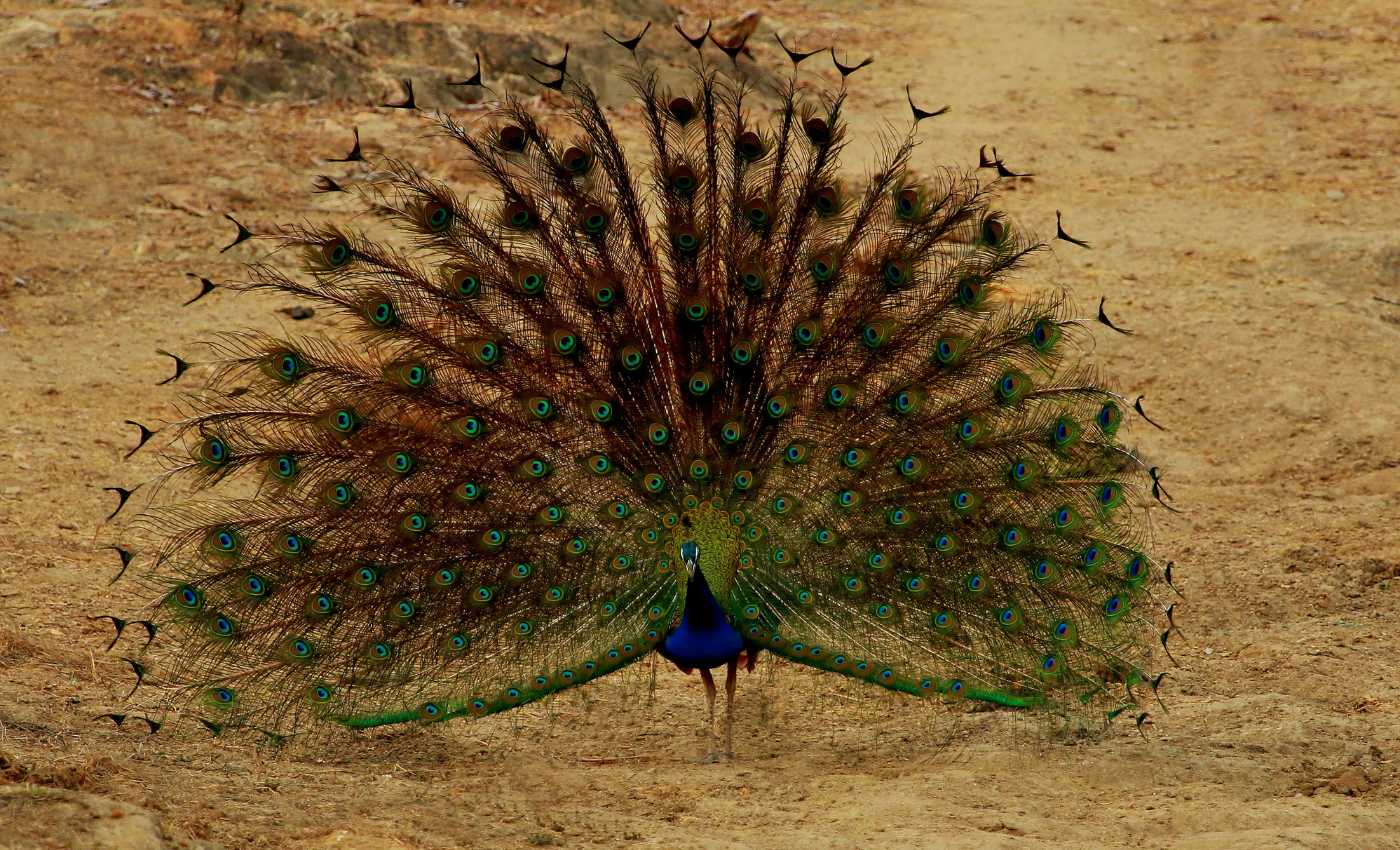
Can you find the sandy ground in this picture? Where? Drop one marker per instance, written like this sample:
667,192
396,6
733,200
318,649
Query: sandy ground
1235,167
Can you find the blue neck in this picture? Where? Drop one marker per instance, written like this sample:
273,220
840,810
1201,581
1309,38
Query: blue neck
702,610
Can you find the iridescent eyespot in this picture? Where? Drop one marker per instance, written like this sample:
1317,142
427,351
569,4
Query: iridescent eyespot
365,577
510,137
437,217
381,313
899,517
1011,538
521,571
749,147
483,351
685,240
600,464
535,468
796,453
1012,386
530,281
817,130
700,383
1109,418
699,470
577,160
563,342
463,284
778,406
756,212
336,253
284,365
187,597
948,351
907,401
603,292
212,452
469,427
907,203
400,463
518,215
681,179
468,491
826,201
493,539
752,279
696,307
897,273
1110,496
551,515
593,220
221,697
630,356
445,577
380,651
1063,433
971,292
321,605
1044,334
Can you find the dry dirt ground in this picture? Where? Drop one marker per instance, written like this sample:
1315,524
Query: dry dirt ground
1233,164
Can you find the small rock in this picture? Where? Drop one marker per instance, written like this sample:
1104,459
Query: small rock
68,526
1352,781
298,312
24,34
1336,195
11,491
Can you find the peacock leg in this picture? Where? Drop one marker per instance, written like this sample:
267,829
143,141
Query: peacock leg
709,680
730,681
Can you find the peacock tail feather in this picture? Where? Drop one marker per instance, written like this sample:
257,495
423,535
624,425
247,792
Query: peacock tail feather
474,496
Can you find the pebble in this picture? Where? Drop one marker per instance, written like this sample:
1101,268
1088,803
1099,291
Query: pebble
1336,195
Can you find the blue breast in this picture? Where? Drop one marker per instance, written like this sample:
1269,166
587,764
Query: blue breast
704,639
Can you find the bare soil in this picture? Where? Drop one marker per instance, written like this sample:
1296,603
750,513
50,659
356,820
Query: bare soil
1235,167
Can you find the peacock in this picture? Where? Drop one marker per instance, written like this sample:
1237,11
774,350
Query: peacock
711,404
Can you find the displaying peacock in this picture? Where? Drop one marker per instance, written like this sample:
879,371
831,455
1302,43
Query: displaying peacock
708,404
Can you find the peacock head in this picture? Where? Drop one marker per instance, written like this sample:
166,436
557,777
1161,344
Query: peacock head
708,542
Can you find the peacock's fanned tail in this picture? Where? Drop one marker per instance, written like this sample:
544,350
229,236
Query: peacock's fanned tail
472,497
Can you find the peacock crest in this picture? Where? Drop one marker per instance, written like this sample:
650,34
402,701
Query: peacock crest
712,400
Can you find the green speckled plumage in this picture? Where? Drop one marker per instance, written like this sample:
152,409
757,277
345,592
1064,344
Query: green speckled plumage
474,494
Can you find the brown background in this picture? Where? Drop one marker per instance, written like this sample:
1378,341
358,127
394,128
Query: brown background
1235,166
